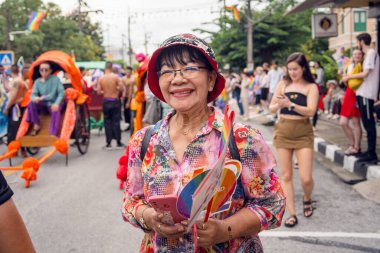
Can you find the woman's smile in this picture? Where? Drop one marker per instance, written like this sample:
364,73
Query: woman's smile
181,93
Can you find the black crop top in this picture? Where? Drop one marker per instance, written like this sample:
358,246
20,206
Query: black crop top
297,98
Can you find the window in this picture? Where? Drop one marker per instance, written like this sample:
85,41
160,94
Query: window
342,22
360,21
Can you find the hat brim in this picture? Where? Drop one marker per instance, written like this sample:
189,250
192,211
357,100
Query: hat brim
153,81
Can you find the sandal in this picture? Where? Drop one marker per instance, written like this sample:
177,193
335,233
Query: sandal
352,151
308,208
291,221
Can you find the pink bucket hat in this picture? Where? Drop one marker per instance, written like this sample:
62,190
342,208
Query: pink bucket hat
191,41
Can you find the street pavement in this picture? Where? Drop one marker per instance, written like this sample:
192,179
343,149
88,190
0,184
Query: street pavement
76,208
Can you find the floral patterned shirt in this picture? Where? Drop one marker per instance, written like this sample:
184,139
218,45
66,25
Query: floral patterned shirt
258,187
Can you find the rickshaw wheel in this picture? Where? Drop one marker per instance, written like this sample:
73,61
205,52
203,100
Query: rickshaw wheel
82,128
32,150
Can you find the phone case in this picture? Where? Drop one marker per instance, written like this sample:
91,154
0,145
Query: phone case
167,204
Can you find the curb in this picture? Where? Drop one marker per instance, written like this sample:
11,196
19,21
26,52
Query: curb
349,163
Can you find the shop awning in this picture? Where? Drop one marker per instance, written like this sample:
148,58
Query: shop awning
309,4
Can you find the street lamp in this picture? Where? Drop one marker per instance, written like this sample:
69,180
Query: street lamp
11,34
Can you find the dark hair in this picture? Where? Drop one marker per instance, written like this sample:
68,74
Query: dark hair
129,68
109,65
47,63
15,69
274,62
319,64
300,59
81,69
178,53
364,37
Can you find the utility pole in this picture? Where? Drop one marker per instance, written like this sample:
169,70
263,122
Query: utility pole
129,39
80,12
146,40
249,36
108,42
80,15
8,30
123,44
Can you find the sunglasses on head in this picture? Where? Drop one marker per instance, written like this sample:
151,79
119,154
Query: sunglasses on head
44,70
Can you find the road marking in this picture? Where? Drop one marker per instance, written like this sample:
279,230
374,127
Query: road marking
319,234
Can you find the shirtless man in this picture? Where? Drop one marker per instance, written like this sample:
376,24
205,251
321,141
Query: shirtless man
128,83
110,87
12,109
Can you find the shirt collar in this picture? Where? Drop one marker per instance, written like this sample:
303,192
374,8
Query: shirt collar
214,121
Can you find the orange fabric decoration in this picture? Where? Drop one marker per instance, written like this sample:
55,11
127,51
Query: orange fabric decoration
71,94
30,167
14,145
69,121
140,97
24,126
13,148
26,99
61,146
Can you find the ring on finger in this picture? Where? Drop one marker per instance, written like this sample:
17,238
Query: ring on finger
159,227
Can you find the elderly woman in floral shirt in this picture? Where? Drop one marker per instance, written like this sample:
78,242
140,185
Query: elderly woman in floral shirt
184,74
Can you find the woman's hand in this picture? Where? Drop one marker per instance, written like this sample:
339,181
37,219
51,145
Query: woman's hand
283,101
154,220
212,232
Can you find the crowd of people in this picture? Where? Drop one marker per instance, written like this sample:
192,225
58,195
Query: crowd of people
183,90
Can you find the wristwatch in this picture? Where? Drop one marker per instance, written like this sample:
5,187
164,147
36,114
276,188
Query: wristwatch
292,106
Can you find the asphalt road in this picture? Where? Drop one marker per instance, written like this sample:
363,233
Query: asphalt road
77,209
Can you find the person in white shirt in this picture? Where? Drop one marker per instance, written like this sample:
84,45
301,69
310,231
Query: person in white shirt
275,75
367,94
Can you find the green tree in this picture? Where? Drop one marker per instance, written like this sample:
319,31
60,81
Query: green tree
274,36
57,32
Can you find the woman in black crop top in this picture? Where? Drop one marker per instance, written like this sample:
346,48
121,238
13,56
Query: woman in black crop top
296,99
14,236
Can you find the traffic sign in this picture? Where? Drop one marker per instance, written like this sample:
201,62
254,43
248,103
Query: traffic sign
7,58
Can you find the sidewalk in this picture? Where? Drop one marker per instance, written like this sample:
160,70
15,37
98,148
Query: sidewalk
330,141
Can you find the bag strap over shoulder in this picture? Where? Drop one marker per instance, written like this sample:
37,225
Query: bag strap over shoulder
145,142
232,147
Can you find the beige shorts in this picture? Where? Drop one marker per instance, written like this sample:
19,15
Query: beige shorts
293,134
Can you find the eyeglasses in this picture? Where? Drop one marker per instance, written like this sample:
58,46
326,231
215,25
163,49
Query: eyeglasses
44,70
187,72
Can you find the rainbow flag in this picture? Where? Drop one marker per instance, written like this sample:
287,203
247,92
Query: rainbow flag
227,127
251,83
34,21
235,10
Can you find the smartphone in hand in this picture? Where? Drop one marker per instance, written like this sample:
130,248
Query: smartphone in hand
167,205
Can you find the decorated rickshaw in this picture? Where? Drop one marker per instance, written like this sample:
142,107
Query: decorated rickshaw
75,125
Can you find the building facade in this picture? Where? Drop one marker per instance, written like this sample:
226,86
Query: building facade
352,22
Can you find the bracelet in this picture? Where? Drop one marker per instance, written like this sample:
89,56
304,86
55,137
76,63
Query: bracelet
229,233
142,220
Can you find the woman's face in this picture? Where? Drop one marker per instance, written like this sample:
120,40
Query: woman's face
188,92
357,55
295,71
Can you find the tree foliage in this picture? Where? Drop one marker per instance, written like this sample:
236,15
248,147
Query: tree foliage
274,36
57,32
